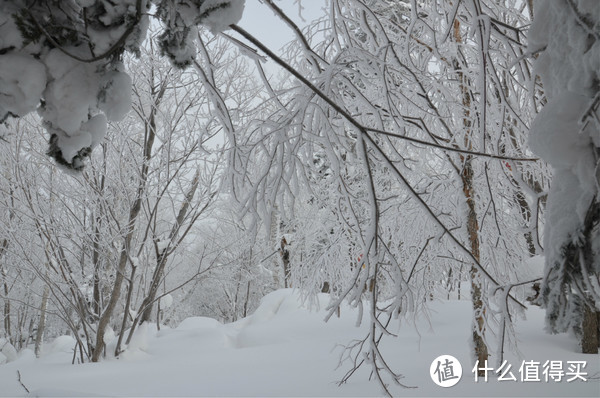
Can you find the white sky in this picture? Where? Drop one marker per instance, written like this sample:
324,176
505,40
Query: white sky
261,22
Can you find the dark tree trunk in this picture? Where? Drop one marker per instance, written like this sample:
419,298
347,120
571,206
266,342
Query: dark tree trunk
589,338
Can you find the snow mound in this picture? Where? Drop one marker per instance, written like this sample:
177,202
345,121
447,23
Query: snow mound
61,344
198,322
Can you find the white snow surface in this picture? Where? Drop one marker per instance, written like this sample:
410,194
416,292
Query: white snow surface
286,349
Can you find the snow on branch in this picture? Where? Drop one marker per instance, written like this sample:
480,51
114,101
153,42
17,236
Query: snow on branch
64,58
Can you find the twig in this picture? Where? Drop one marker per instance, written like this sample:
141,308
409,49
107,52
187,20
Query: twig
22,385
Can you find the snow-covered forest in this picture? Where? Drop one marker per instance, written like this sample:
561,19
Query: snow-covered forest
186,209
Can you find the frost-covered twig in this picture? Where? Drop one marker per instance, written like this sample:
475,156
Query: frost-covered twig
21,382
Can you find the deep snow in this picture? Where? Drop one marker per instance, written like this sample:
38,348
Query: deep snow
285,349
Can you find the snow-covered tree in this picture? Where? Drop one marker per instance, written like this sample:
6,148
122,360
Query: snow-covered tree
124,224
566,134
65,59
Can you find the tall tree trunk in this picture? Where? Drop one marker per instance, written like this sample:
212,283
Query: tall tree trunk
480,347
478,326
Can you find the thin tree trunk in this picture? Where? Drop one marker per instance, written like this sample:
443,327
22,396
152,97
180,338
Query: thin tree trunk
273,239
96,262
163,254
126,313
481,351
6,314
245,313
114,297
285,259
42,325
7,325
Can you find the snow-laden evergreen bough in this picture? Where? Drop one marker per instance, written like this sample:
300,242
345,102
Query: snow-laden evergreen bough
566,134
64,58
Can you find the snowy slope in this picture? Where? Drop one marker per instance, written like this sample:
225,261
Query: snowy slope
284,349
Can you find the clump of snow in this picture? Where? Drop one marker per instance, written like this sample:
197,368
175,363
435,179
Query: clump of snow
75,95
9,33
70,92
115,94
96,127
8,351
60,344
71,146
226,12
22,81
80,78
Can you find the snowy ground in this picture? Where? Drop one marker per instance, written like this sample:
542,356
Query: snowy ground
284,349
